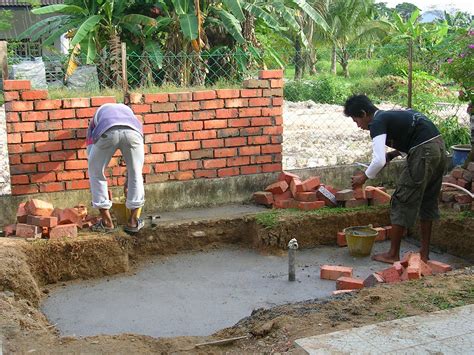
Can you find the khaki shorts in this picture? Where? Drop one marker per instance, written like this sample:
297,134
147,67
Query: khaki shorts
419,185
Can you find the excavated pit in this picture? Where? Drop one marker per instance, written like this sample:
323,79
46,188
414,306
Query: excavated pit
193,276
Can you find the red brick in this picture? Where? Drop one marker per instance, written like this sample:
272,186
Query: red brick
204,115
207,134
101,100
341,239
271,168
306,196
390,275
76,164
463,199
296,186
182,175
212,104
181,136
272,111
256,84
242,122
333,272
349,283
177,156
22,169
48,146
70,175
77,184
180,116
34,95
214,163
309,206
231,103
249,151
140,108
163,147
204,95
271,148
250,112
312,183
20,179
49,176
260,101
457,173
379,196
157,97
52,187
48,222
190,165
24,189
68,216
438,267
192,126
273,130
381,236
250,169
277,187
359,193
19,127
344,195
235,142
227,113
212,143
263,198
9,230
37,207
75,123
250,92
399,267
156,118
50,126
189,145
228,172
9,85
352,203
272,92
48,104
86,112
228,93
180,96
277,101
288,177
76,102
215,124
11,96
63,231
261,121
258,140
203,153
237,161
270,74
373,280
21,213
285,203
12,117
276,83
167,127
18,106
34,116
163,107
28,231
75,144
188,106
61,114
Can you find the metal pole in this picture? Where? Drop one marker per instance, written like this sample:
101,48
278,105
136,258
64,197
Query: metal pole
292,247
124,69
3,59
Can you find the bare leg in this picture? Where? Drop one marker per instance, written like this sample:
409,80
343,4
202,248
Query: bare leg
133,221
426,228
393,254
106,217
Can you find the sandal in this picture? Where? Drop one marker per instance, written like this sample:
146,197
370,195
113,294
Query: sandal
140,225
101,227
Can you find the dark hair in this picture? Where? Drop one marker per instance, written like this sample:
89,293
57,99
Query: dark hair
357,104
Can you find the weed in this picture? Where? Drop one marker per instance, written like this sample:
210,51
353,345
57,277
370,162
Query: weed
268,219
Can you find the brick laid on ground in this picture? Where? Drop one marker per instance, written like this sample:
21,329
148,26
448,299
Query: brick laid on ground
63,231
349,283
28,231
40,221
333,272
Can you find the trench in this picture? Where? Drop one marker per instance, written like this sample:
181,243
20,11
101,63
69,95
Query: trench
198,275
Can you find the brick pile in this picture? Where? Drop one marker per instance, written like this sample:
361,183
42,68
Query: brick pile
39,219
410,267
290,191
454,198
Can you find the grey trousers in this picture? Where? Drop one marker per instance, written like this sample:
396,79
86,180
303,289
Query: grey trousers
130,143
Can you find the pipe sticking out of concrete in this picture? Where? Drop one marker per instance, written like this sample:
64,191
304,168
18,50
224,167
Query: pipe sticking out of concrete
459,188
292,247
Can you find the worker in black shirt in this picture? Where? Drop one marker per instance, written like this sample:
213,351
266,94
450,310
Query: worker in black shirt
419,184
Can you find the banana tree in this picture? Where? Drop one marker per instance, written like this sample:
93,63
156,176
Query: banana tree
94,25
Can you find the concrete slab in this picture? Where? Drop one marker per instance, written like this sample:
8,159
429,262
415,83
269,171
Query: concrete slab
444,332
199,293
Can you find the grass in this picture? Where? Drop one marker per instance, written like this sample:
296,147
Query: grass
270,219
62,93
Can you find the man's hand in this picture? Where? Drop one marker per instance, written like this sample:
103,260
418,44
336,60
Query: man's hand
125,188
359,180
391,155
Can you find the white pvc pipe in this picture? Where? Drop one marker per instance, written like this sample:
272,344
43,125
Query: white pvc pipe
459,188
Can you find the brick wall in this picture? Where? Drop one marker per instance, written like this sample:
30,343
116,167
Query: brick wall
188,135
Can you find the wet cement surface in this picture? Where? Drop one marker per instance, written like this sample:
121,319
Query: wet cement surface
199,293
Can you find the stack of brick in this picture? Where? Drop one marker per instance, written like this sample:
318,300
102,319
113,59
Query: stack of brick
368,196
454,198
290,191
383,234
411,267
39,219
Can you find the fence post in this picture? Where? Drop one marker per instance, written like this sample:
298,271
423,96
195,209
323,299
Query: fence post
3,59
124,69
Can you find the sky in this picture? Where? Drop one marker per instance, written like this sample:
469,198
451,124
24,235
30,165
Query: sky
464,5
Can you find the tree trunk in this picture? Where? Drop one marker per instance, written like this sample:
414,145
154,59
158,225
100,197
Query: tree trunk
248,29
345,62
299,60
333,60
410,73
115,59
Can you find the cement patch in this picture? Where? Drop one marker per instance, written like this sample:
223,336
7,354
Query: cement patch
198,293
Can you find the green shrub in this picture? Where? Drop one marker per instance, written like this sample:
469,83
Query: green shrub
329,90
451,131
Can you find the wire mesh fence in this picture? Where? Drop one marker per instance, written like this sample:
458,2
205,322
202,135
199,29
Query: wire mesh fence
316,133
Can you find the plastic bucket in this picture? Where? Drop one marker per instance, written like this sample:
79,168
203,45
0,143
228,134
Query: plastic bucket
460,153
360,239
121,212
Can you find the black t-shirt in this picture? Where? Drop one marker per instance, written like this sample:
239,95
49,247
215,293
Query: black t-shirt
404,129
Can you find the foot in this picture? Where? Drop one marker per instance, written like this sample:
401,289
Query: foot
386,258
424,256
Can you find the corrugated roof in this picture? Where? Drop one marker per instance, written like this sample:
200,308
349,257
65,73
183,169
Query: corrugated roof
22,3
